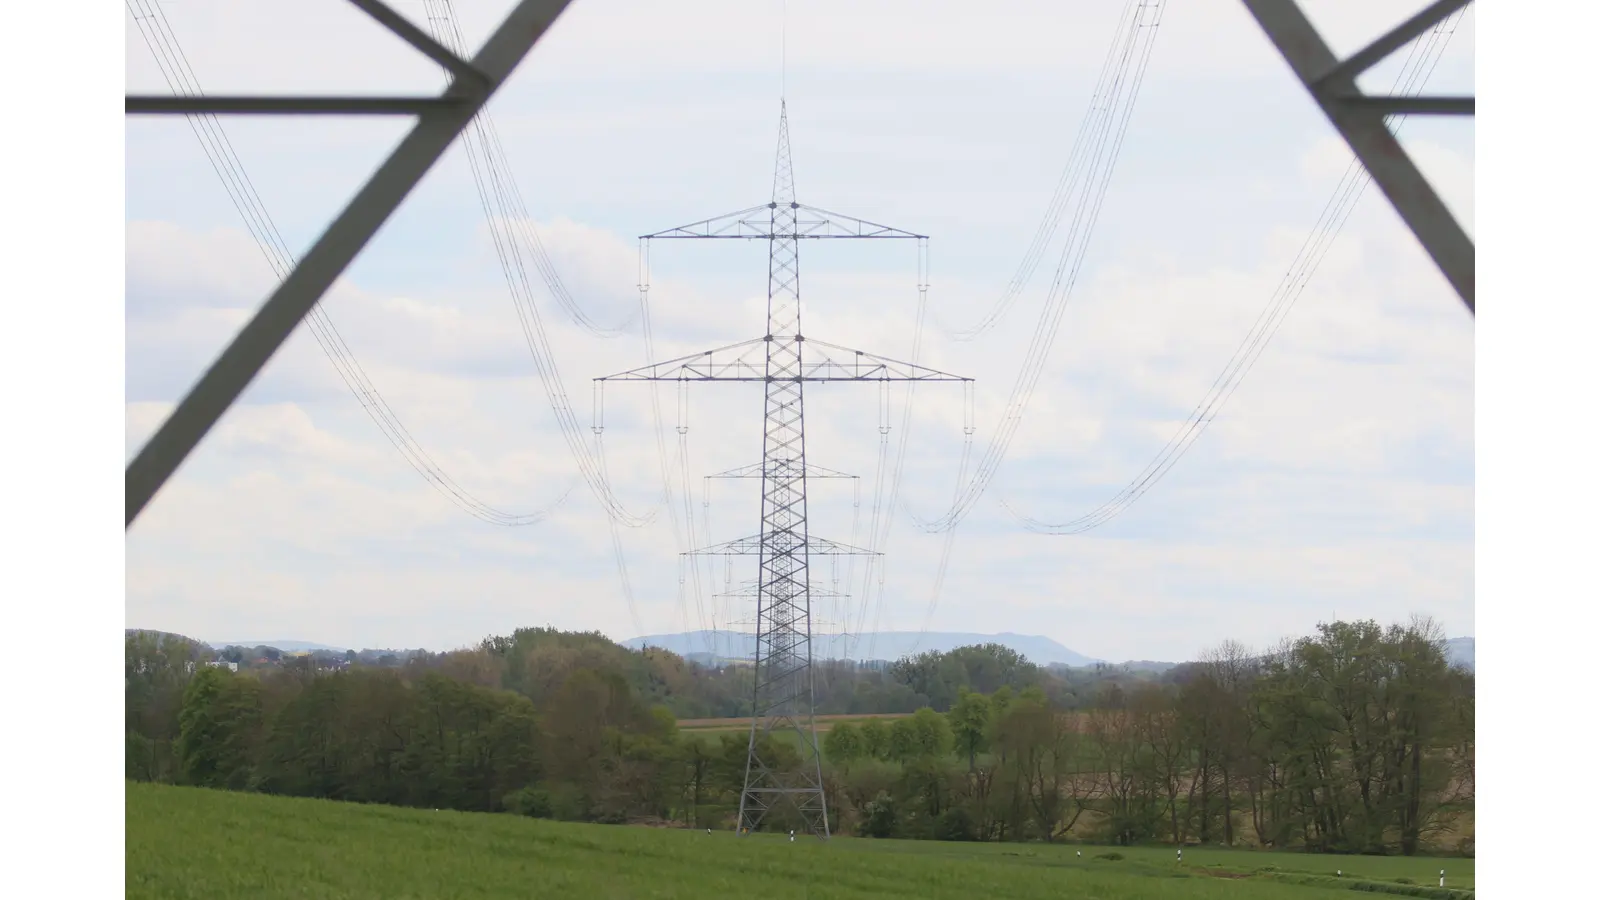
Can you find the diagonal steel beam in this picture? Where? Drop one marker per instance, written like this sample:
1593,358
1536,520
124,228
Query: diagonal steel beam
277,318
1344,74
420,39
1360,121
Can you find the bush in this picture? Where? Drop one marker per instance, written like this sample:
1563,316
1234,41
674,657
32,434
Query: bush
562,802
878,819
954,824
529,801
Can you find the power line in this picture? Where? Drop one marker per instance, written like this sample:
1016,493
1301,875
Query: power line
441,14
1414,74
500,202
1112,69
1109,124
162,42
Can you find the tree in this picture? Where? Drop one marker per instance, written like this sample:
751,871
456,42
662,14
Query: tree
843,745
875,739
219,729
921,734
969,723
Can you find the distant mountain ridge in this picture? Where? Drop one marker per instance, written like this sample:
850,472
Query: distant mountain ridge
892,645
286,646
885,645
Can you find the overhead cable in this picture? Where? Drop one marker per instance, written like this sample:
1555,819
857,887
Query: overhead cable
1109,116
169,56
1113,69
1419,65
500,205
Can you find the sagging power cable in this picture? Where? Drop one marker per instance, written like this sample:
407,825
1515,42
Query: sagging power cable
1419,65
1106,129
161,40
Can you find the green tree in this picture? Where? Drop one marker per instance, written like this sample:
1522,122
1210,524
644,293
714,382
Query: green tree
875,739
843,745
970,720
219,729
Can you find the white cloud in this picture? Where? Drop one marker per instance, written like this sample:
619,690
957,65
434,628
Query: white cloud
1338,478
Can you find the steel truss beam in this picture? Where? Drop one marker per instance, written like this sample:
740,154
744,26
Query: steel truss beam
1359,119
439,121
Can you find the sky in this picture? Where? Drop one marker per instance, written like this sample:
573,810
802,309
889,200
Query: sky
1337,481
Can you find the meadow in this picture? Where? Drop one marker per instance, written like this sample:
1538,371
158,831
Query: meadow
199,843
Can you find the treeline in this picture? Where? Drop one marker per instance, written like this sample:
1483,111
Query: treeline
1356,739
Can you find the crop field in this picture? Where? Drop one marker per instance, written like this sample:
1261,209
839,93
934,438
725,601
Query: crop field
193,843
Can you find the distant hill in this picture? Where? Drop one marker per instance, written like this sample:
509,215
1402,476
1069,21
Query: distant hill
286,646
883,645
878,645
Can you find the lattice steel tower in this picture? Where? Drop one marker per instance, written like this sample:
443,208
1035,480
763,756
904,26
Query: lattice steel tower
784,360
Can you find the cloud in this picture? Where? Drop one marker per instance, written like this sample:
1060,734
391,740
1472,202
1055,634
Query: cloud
1338,478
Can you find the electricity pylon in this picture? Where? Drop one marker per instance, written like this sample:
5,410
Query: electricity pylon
785,361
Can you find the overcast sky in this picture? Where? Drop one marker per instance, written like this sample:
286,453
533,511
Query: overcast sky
1337,481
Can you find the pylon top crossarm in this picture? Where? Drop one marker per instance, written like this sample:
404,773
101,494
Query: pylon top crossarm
751,546
757,223
756,469
747,361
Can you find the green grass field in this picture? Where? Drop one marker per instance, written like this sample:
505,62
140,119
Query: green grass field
213,845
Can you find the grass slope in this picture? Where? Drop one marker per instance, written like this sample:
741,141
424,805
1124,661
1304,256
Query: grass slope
192,843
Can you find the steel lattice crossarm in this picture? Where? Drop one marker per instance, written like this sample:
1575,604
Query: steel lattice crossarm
747,361
1359,119
751,546
757,223
754,470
